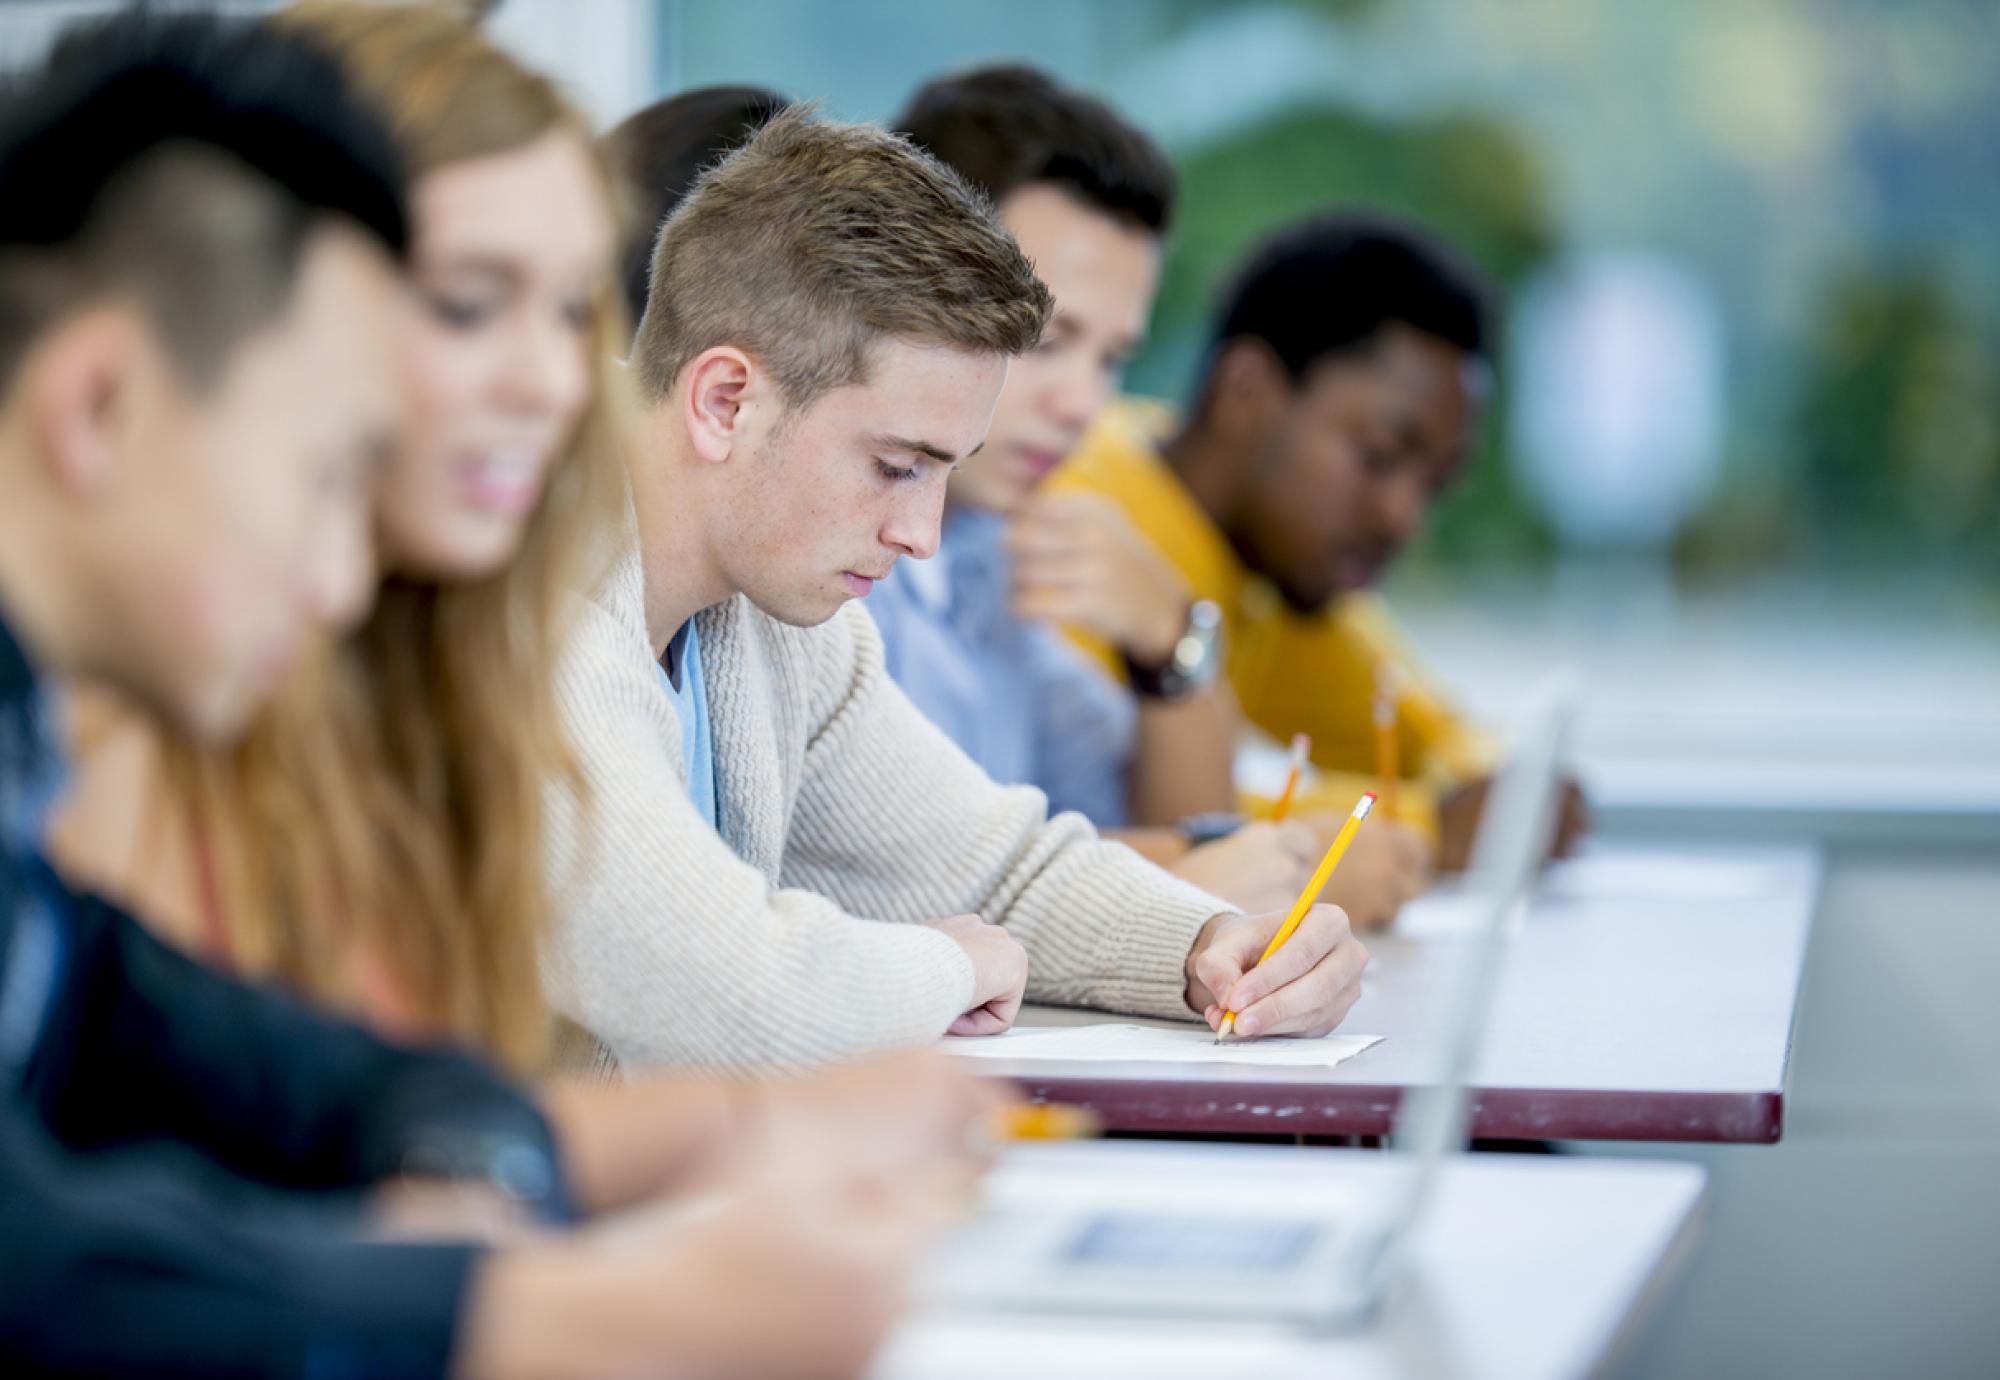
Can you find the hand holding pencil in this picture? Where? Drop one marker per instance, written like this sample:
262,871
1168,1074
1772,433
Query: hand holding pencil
1281,974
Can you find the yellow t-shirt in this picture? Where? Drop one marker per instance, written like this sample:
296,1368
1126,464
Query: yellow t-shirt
1293,672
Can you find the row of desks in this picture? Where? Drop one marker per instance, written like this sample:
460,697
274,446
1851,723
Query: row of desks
1625,1012
1644,996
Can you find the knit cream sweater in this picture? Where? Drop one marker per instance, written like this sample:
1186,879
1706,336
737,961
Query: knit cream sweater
790,939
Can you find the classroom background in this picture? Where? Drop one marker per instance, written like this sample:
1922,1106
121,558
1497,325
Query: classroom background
1743,474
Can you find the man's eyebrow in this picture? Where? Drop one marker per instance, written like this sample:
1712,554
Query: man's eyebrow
909,447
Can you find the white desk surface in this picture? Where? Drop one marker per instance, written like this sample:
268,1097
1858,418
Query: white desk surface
1637,1017
1527,1268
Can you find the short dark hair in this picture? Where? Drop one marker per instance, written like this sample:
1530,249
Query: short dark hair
1326,286
1005,127
657,153
184,160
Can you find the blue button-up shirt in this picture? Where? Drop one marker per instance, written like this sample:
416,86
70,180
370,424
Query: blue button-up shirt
1020,700
682,681
31,938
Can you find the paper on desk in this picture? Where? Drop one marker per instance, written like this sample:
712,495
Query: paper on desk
1152,1044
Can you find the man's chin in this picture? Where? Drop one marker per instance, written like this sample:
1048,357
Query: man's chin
1314,599
1352,577
801,612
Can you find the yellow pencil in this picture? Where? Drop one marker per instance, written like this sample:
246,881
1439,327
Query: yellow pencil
1301,750
1386,764
1307,897
1042,1121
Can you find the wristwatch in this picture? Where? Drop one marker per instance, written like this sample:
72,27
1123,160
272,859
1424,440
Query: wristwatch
1194,662
514,1166
1209,826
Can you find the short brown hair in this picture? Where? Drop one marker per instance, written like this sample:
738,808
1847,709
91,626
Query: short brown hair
814,240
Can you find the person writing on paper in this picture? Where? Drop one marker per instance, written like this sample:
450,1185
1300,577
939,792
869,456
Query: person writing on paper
786,863
968,634
1345,383
1010,692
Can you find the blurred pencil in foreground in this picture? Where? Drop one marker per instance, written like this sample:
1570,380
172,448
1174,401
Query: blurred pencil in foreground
1301,750
1041,1121
1388,764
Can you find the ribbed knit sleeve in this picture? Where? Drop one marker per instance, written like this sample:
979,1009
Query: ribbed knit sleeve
671,948
893,820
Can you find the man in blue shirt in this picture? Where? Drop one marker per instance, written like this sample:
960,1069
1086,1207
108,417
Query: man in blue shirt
971,635
680,674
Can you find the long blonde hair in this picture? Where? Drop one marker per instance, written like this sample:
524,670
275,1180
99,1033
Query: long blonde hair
394,797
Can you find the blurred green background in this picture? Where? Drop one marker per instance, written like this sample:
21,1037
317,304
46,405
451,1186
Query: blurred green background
1824,173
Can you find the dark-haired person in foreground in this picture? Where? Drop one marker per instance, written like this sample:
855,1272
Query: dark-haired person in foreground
198,374
973,635
1350,363
657,152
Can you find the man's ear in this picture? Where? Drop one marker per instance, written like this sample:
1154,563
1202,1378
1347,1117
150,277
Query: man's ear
84,385
716,384
1247,381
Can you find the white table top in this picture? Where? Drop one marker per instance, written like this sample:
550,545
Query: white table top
1527,1268
1665,1013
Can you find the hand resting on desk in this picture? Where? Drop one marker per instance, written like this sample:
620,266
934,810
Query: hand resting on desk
999,974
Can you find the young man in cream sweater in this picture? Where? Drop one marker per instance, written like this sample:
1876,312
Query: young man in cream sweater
782,862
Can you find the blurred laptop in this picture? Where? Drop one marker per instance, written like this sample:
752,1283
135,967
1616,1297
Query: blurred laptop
1054,1237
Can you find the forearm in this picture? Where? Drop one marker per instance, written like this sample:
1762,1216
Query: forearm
1184,760
117,1264
1161,847
561,1309
626,1143
252,1079
743,982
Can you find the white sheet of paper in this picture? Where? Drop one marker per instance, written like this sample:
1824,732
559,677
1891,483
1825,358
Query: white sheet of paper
1151,1044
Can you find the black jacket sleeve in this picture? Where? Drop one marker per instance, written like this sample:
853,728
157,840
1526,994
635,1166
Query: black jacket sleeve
144,1263
142,1043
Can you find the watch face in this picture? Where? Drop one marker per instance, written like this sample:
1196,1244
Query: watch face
1192,664
1195,651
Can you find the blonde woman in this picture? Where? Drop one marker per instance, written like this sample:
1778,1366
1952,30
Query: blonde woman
376,842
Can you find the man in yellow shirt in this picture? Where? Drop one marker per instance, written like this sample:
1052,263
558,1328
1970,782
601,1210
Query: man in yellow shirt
1346,379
